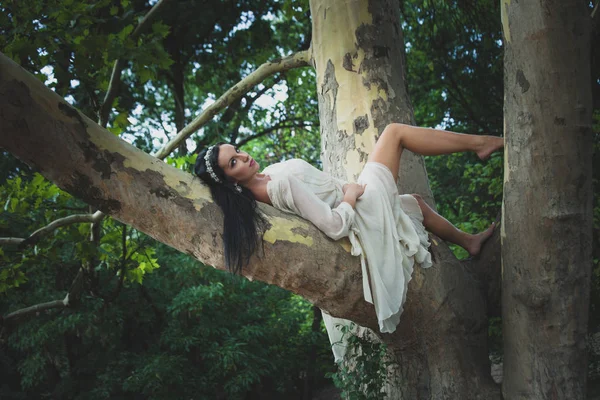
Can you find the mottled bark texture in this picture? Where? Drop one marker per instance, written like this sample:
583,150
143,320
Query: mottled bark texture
441,342
547,209
358,53
168,204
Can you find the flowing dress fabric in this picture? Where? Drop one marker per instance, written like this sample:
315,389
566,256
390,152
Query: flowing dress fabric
385,229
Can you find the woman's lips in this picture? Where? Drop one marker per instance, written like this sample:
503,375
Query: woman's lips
252,162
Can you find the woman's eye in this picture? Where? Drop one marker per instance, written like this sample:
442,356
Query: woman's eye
233,162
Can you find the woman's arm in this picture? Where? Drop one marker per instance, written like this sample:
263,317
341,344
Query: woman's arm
335,223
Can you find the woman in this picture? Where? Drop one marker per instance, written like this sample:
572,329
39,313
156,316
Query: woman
385,229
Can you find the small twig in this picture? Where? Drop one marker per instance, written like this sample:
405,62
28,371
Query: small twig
271,129
300,59
250,101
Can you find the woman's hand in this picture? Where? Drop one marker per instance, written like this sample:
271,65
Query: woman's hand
352,192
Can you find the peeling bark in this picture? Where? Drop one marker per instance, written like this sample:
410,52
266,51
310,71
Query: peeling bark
358,54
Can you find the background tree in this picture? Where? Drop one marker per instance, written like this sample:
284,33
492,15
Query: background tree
547,208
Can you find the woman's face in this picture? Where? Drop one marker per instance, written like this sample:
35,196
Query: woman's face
236,164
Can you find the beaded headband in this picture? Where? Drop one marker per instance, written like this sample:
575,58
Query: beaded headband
209,167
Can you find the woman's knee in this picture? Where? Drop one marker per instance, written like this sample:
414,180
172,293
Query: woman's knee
394,129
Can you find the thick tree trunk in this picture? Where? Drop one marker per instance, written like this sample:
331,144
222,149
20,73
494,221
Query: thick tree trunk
441,342
547,209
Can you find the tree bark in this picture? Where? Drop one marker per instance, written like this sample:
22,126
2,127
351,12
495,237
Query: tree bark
441,342
547,208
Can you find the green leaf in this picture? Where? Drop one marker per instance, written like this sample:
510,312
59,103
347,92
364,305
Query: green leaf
146,75
125,32
161,29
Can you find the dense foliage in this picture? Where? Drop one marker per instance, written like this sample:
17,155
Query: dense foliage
145,321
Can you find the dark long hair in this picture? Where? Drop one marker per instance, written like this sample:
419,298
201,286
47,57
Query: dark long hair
242,220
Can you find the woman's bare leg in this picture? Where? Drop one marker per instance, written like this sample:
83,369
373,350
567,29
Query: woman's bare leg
441,227
431,142
428,142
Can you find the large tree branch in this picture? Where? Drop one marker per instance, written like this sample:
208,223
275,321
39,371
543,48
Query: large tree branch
115,77
166,203
300,59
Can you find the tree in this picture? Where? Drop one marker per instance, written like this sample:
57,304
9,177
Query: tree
441,342
547,209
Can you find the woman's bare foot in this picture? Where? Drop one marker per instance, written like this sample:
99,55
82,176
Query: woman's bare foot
489,145
476,241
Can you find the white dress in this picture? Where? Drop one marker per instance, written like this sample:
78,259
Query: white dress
386,230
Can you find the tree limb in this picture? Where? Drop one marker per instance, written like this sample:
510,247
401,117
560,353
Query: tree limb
35,236
300,59
115,77
36,309
7,241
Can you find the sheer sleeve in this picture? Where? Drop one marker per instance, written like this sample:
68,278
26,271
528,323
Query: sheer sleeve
291,195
